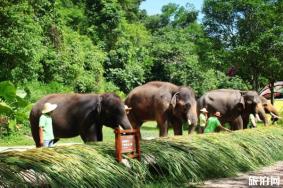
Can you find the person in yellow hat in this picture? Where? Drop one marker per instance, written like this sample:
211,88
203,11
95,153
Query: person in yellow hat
46,135
202,120
213,123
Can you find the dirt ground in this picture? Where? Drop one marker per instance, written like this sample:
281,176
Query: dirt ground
242,180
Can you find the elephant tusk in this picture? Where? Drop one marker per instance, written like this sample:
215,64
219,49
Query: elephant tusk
275,115
189,122
120,127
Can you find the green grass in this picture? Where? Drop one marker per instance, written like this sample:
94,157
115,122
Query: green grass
148,129
175,161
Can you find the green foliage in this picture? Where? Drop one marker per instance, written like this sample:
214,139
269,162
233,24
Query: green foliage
131,9
250,33
14,108
128,78
212,79
175,58
92,46
172,15
36,89
104,18
21,45
194,161
130,61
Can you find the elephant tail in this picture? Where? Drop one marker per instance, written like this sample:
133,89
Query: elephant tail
34,123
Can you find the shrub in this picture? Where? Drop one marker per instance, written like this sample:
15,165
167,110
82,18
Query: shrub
14,108
36,89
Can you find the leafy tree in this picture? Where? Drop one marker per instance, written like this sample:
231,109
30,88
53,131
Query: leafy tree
77,63
131,9
173,52
104,18
172,15
250,33
21,46
129,62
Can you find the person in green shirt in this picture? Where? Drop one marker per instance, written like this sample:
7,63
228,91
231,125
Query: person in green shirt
213,123
202,120
46,136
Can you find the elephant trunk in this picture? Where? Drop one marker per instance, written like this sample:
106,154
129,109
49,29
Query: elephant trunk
261,113
192,119
125,123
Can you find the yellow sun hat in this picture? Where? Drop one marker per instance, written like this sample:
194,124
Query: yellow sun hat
48,107
204,110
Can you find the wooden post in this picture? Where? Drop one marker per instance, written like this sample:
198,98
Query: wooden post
118,144
138,148
127,142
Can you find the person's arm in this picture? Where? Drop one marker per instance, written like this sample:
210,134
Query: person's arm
221,127
224,129
40,136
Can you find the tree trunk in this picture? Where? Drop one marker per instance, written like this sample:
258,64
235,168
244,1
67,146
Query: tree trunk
271,87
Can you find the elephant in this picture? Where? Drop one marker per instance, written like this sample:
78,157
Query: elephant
81,114
164,102
235,106
265,107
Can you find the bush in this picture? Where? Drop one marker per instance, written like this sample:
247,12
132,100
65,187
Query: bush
14,108
110,87
212,79
36,89
128,78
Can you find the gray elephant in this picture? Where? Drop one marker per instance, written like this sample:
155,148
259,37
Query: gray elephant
164,102
81,114
235,106
265,107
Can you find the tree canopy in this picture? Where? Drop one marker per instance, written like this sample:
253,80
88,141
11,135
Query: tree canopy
102,45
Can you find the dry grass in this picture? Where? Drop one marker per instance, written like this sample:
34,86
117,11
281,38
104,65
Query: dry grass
175,159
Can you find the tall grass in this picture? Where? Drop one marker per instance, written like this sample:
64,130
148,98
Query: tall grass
180,160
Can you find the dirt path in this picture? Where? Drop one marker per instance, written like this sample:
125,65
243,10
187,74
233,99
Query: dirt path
262,178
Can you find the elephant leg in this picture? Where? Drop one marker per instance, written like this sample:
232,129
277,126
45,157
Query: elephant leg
99,133
192,128
134,121
92,134
245,121
163,127
237,123
177,127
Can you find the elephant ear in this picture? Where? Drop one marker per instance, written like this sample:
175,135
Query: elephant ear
173,101
97,108
251,97
241,104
